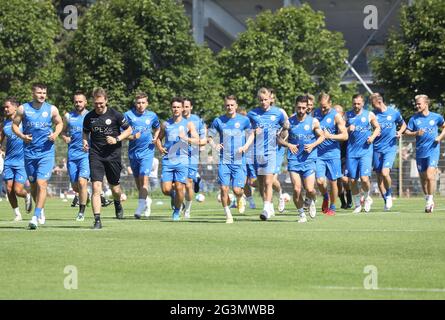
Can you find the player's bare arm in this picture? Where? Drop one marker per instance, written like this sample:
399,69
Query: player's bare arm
194,138
64,134
250,137
341,126
27,138
402,129
58,122
156,133
376,126
161,136
85,138
442,134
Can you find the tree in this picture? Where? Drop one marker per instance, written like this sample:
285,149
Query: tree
290,51
414,60
127,46
28,50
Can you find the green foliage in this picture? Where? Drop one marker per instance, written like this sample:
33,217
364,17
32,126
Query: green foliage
290,51
127,46
28,49
414,60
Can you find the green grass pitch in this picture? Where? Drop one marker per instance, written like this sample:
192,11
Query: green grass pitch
204,258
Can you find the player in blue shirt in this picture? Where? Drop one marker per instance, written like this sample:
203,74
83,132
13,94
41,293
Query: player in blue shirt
232,129
14,173
192,176
385,145
281,150
251,181
175,151
78,164
267,121
329,153
363,128
141,149
424,126
303,137
37,118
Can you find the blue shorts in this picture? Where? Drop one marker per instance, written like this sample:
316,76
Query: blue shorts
250,169
79,168
424,163
17,174
381,160
265,164
141,167
174,172
359,167
39,169
330,168
232,175
192,172
305,169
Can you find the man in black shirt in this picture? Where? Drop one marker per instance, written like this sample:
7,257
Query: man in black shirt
101,128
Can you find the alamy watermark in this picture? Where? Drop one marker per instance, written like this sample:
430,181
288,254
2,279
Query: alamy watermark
371,280
371,21
70,282
70,21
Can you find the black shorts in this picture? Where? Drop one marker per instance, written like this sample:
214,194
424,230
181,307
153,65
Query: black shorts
109,168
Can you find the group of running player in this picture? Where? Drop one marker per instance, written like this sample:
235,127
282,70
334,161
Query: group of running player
323,147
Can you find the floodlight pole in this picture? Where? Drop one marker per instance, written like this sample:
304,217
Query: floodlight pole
358,76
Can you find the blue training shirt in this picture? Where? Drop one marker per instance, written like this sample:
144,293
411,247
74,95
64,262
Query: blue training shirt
388,120
177,148
270,121
425,144
75,128
232,135
301,133
14,146
144,123
200,129
38,123
328,149
358,146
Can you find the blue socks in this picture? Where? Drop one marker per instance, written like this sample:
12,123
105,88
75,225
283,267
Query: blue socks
37,212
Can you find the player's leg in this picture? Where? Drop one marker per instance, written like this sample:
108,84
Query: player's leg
251,182
276,186
225,202
308,178
43,171
297,187
238,175
385,188
96,202
12,197
179,178
192,176
333,173
365,173
430,178
97,177
73,174
341,193
113,173
352,165
267,181
224,185
320,174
